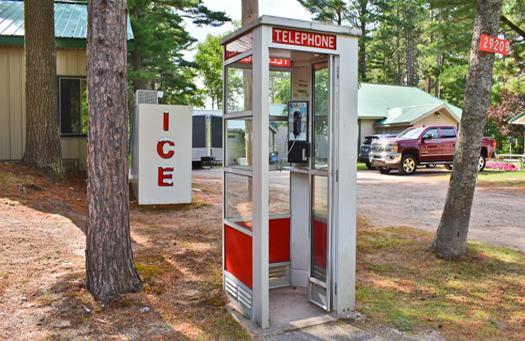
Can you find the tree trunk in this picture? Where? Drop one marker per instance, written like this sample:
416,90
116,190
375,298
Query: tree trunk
409,41
436,93
451,237
110,268
43,151
361,61
429,79
398,55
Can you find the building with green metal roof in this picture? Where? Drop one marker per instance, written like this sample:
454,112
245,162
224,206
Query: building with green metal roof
71,49
383,108
520,119
70,24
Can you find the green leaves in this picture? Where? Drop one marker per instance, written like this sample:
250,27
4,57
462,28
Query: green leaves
161,39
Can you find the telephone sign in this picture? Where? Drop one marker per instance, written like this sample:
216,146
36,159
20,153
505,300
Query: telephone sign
300,38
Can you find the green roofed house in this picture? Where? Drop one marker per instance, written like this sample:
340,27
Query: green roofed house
71,49
385,109
520,119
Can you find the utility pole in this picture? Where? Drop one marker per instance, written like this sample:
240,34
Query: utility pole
250,12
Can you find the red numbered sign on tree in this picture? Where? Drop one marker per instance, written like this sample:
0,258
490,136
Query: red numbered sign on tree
494,45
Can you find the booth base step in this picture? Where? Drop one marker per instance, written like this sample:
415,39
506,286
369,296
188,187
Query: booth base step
293,317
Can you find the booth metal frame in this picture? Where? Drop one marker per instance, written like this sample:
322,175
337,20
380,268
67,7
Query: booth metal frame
340,170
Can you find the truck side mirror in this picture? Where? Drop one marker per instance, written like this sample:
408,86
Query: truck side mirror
428,136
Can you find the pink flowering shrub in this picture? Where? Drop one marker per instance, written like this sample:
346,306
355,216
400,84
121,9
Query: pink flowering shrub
501,166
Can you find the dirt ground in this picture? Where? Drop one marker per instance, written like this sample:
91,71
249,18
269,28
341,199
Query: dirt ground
417,201
42,242
42,266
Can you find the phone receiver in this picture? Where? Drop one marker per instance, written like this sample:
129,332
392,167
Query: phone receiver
297,123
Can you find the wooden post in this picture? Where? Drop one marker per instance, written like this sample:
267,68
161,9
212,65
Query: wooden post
250,11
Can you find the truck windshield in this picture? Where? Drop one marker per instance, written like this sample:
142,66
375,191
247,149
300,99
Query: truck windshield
411,133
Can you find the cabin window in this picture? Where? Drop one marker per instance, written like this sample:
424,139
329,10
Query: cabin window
72,105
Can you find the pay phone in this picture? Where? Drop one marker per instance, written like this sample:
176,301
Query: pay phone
298,146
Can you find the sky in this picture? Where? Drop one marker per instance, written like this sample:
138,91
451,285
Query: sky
281,8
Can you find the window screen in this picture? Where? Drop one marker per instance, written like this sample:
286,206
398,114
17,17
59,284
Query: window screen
199,132
216,132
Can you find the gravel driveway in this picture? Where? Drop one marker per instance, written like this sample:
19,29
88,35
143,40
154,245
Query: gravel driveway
498,215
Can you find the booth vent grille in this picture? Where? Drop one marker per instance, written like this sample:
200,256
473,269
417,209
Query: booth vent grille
245,298
278,272
231,287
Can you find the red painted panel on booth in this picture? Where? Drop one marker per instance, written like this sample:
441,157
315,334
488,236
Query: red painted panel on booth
279,240
238,255
320,243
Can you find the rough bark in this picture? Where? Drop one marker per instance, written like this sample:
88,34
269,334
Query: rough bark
398,53
43,151
436,92
361,55
429,79
451,236
409,39
110,268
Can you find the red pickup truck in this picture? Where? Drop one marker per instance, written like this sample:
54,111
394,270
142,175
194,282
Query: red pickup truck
430,146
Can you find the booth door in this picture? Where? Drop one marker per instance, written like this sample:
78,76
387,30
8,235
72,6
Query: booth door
320,283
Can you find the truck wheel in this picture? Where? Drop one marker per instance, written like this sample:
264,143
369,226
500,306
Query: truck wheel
481,163
408,165
369,165
383,170
448,166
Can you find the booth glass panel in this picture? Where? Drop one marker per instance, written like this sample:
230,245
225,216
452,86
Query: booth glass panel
280,86
239,87
319,237
279,192
320,116
238,139
238,199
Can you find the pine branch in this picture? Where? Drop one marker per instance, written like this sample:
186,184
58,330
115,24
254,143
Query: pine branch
512,26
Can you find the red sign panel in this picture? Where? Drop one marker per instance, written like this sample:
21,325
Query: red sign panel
273,61
300,38
494,45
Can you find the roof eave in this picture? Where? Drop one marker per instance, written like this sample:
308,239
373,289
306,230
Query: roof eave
520,119
65,43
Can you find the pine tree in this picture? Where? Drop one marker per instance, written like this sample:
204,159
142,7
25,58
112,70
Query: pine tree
157,62
43,151
110,269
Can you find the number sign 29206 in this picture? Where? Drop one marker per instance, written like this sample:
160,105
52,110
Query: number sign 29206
494,45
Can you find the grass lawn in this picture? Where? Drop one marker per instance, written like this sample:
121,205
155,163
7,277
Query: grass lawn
480,296
361,166
502,178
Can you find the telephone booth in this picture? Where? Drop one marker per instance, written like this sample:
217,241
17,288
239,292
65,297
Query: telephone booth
290,222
